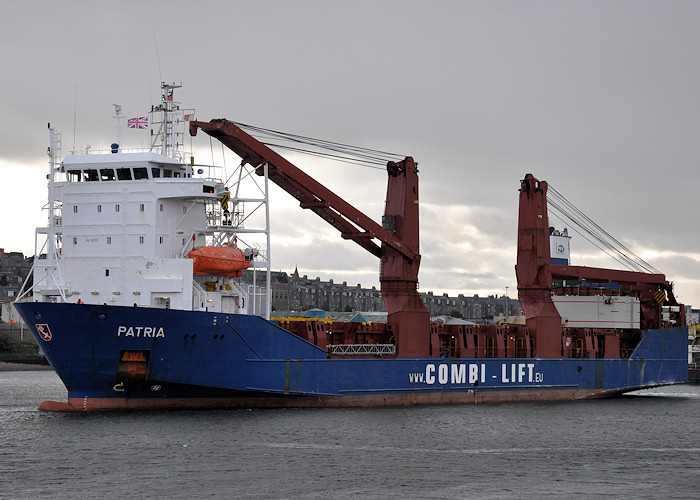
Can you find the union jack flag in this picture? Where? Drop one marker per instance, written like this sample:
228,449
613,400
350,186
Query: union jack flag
141,122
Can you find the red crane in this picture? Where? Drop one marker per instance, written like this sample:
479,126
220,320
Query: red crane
535,273
395,241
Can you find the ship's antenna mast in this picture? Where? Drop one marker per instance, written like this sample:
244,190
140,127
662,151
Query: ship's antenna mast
118,115
167,133
167,122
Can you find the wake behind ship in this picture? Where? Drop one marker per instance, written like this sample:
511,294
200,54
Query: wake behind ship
137,301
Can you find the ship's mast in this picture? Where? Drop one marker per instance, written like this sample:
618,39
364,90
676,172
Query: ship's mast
118,115
166,133
54,153
51,263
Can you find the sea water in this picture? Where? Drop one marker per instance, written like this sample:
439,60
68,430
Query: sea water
644,445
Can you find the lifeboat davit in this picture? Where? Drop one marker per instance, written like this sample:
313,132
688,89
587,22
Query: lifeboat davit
228,260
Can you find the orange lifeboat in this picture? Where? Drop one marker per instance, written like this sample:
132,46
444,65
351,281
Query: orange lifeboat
228,260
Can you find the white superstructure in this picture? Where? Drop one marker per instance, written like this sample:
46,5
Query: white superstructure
121,225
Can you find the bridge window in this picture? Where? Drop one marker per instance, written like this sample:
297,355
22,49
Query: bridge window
91,174
124,174
140,173
155,172
107,174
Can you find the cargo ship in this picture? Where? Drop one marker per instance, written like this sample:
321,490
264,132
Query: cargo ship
136,299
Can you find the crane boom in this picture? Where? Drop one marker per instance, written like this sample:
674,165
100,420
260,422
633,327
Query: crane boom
312,195
398,235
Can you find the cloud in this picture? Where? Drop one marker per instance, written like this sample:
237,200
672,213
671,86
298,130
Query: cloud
599,99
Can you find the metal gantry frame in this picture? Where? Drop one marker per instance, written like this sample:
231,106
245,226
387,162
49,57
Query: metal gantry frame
244,173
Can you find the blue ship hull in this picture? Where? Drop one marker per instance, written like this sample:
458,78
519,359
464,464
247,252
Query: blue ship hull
214,360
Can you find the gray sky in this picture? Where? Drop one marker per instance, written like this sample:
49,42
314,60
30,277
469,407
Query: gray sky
598,98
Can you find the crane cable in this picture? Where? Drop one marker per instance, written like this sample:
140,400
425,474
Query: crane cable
371,158
607,243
